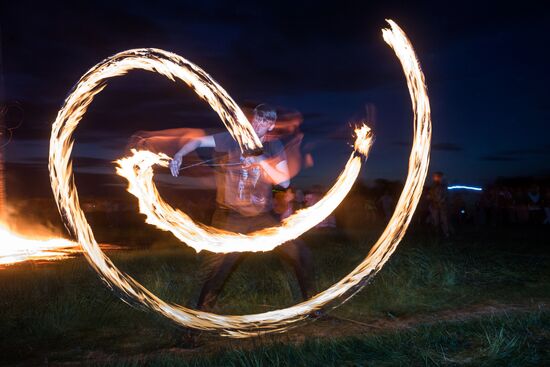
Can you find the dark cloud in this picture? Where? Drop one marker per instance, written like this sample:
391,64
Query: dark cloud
540,151
497,158
447,147
524,154
441,147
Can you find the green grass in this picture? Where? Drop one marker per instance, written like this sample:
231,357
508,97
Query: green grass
61,311
516,340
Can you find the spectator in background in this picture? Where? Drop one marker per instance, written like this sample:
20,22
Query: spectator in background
493,206
299,199
387,204
370,211
509,206
458,208
437,198
534,204
482,207
284,203
522,211
503,203
313,197
547,206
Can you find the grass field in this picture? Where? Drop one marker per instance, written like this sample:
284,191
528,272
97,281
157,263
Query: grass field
477,299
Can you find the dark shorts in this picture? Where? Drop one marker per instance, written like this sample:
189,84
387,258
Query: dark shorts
230,220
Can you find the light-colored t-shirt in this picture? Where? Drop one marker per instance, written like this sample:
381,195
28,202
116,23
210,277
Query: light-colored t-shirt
244,189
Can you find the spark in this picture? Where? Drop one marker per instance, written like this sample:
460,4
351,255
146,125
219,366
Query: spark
176,67
462,187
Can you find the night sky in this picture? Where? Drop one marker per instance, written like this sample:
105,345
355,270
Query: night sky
486,68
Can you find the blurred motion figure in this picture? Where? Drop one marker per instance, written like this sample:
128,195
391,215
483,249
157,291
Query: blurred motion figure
244,200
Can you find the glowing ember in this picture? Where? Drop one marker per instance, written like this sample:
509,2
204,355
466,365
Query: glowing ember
176,67
16,248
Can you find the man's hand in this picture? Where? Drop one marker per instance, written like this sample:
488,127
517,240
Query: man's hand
175,165
251,160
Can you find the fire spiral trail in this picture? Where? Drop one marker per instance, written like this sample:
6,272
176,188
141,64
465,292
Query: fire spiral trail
137,169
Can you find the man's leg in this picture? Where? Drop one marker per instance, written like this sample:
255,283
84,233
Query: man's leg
434,216
219,266
213,272
215,268
297,254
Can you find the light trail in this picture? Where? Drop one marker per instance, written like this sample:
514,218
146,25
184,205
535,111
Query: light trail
462,187
176,67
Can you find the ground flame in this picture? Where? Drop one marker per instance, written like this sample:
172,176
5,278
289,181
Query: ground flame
174,66
17,248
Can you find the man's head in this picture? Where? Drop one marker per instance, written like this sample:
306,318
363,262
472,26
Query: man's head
437,177
263,119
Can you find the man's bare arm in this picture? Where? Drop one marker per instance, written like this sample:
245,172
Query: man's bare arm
202,142
278,173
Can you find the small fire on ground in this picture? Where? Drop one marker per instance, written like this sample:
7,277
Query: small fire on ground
16,248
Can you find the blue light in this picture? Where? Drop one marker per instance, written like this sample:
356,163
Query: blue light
462,187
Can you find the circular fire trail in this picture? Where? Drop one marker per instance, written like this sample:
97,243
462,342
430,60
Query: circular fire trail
138,170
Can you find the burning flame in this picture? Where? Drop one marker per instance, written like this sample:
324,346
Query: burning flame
174,66
137,169
16,248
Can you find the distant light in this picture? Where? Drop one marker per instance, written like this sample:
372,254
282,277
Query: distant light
461,187
463,211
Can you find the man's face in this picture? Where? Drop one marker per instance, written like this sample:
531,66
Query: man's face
262,125
289,196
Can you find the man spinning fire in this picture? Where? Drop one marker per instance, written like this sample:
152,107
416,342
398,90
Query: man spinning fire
244,200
